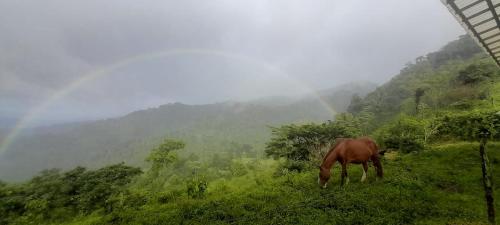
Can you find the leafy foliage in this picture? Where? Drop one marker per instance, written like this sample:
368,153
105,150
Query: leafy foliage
404,134
163,155
476,73
302,142
429,83
468,125
463,48
413,193
55,196
197,187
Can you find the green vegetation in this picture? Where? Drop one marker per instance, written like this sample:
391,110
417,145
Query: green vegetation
206,129
439,186
429,117
301,143
162,156
55,196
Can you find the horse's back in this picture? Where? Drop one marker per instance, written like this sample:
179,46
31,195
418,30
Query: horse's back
371,144
357,150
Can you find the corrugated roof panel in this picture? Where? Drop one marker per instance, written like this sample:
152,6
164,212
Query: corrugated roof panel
491,39
462,3
495,47
489,32
482,17
486,25
481,7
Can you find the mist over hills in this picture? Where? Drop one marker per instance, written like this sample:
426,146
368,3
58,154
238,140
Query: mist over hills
427,117
205,128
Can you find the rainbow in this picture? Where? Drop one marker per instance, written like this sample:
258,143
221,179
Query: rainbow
108,69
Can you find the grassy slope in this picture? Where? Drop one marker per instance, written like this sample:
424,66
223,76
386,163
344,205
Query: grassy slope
437,186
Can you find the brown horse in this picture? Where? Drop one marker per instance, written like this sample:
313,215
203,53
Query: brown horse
347,150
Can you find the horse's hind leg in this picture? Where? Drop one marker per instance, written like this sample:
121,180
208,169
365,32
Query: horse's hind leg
378,166
344,174
365,170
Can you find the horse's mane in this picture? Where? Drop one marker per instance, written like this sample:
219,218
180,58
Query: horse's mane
337,142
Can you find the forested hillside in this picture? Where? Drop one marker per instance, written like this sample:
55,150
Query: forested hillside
429,118
207,129
428,80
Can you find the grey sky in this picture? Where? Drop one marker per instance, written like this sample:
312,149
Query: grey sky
45,45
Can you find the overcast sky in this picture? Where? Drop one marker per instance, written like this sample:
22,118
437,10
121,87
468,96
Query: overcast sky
233,49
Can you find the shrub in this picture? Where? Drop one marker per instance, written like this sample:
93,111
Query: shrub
468,125
197,187
460,97
476,73
405,134
293,166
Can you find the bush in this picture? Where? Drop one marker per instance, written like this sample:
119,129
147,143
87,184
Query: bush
293,166
405,134
197,187
56,196
476,73
127,199
460,97
468,125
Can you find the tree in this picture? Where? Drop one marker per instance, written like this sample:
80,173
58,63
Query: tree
419,92
463,48
306,142
95,187
365,121
476,73
356,104
163,155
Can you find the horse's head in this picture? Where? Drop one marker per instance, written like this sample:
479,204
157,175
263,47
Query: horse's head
324,176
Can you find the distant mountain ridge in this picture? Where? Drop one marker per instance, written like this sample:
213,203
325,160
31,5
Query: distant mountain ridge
205,128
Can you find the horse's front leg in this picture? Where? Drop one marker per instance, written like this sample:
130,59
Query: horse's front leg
344,175
365,170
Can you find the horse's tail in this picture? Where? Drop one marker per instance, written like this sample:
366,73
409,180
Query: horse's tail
375,155
378,166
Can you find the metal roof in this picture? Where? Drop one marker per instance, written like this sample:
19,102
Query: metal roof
480,19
